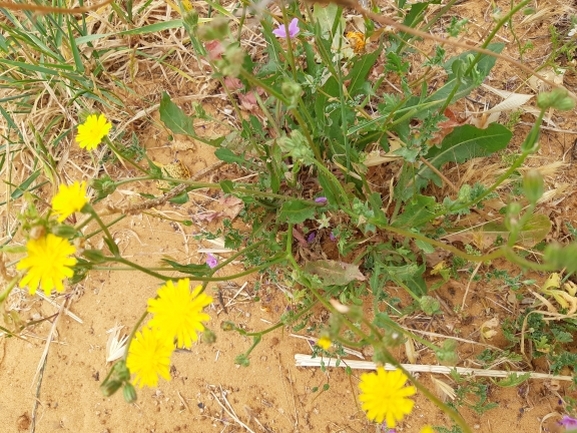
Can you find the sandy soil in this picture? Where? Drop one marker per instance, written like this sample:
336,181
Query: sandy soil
208,393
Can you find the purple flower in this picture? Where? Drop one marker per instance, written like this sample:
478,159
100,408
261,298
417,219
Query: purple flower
332,236
211,261
321,200
569,423
293,28
311,237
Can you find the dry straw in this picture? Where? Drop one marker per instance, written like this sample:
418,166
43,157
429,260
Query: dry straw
309,361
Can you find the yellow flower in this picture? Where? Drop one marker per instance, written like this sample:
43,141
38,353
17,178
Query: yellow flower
177,312
92,131
47,264
324,343
357,41
69,199
384,396
427,429
149,357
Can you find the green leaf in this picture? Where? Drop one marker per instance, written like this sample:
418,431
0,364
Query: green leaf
418,212
24,185
174,118
430,305
533,232
152,29
296,211
334,273
227,186
465,84
230,157
410,275
75,52
360,71
514,379
328,17
112,246
191,269
464,143
180,198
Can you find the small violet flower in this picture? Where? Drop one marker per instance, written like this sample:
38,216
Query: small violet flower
569,423
211,261
311,237
332,236
293,28
321,200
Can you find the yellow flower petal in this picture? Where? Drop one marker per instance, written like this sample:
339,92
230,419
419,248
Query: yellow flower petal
324,343
92,131
427,429
357,41
69,199
47,263
149,357
177,312
384,396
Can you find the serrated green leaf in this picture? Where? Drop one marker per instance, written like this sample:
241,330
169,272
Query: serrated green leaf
296,211
429,305
514,379
417,212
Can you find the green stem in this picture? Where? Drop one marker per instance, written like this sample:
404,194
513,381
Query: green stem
275,326
469,257
485,44
276,260
90,210
121,158
9,289
133,265
133,333
238,254
94,233
436,401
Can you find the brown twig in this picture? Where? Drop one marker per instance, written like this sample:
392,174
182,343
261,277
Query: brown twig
159,201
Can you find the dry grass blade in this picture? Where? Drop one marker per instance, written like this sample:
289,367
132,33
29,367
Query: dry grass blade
444,390
42,365
226,406
65,310
309,361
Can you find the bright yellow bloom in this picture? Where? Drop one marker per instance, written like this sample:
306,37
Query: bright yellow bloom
384,396
149,357
427,429
92,131
69,199
357,41
47,264
324,343
177,312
